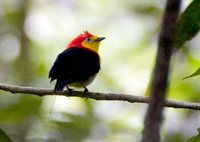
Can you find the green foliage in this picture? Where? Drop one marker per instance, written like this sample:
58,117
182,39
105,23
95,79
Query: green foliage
188,25
196,73
177,137
195,138
21,109
4,137
79,125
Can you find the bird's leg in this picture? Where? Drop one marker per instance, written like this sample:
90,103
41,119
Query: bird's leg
85,90
69,89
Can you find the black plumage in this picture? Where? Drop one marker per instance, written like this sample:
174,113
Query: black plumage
74,65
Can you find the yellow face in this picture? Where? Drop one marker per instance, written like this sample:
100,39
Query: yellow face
92,43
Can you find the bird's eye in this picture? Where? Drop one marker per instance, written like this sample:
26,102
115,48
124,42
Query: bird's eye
88,39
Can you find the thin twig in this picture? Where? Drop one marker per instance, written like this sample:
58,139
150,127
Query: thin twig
96,96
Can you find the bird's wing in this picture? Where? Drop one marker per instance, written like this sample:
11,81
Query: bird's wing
85,64
75,64
85,67
60,68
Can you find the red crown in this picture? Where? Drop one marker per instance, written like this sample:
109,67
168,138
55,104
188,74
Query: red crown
76,42
86,34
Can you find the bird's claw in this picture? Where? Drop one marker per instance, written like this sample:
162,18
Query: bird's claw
85,90
69,90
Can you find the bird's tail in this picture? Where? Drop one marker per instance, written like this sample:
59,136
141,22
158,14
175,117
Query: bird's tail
60,84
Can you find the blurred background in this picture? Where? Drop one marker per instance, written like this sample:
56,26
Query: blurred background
33,33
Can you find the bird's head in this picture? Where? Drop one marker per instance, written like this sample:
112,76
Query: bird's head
86,40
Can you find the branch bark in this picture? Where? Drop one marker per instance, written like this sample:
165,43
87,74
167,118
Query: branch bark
160,83
96,96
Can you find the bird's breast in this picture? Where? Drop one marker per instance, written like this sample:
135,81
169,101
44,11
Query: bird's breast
83,83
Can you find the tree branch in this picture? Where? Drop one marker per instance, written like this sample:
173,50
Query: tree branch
96,96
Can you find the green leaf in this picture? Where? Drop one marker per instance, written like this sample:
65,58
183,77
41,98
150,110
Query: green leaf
4,137
196,73
195,138
188,24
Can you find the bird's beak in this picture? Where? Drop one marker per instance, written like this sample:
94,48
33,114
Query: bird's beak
99,39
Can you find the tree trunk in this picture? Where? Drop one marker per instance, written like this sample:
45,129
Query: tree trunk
160,83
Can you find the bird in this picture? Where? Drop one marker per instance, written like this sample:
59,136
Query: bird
78,65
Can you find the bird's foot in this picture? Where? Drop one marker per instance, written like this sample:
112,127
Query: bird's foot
70,90
85,90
